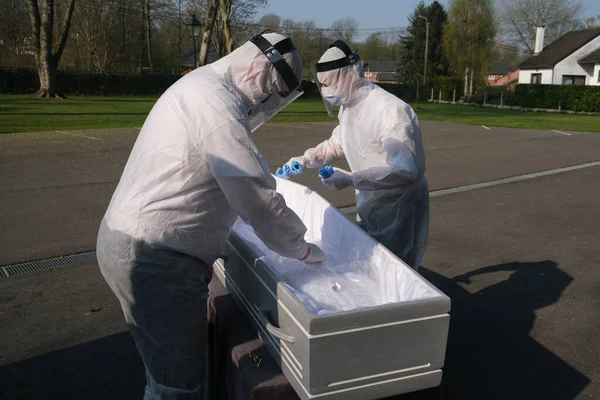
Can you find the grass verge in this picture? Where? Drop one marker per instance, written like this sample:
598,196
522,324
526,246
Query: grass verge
26,114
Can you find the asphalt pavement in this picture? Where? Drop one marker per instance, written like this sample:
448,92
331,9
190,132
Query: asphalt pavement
519,260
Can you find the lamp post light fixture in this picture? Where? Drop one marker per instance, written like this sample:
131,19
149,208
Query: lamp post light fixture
194,27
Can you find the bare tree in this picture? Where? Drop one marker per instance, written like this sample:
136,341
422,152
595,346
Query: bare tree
209,23
13,32
344,29
241,16
245,10
48,51
146,17
520,18
593,22
225,6
96,29
270,21
224,21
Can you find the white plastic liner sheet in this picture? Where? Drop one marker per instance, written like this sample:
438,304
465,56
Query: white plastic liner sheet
358,272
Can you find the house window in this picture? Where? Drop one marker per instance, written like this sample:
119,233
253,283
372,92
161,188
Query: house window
599,76
578,80
536,79
491,77
368,74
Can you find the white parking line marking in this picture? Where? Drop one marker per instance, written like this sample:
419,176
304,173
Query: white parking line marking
562,133
485,127
81,136
459,189
512,179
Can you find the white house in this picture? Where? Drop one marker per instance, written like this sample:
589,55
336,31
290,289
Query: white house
573,59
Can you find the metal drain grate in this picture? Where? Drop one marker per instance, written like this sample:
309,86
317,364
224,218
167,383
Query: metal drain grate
42,265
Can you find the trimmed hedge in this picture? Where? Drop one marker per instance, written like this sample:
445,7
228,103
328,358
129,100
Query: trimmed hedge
493,95
408,93
310,90
568,97
25,81
18,81
574,98
405,92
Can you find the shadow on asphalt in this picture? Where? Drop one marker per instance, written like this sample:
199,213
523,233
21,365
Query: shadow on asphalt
490,352
107,368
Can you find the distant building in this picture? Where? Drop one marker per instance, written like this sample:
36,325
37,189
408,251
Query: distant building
380,71
503,75
573,59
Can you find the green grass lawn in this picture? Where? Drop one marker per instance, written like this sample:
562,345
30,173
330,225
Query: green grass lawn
508,118
26,114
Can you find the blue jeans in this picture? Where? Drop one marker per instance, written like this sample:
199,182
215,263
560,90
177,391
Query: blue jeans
163,294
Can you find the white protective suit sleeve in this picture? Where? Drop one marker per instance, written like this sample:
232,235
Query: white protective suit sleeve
401,167
249,188
325,153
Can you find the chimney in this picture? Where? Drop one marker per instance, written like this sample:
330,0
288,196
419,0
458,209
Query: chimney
539,40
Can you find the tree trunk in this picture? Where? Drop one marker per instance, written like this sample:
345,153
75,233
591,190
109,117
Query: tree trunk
471,84
42,29
148,24
217,32
178,64
45,50
466,88
225,11
47,73
207,32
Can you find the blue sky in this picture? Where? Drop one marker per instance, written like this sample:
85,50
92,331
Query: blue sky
369,13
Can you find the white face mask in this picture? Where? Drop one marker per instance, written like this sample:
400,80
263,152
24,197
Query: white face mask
330,96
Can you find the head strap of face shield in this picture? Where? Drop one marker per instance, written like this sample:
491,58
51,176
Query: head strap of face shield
350,59
275,52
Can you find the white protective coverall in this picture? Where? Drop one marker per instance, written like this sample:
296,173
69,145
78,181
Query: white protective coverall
193,169
380,137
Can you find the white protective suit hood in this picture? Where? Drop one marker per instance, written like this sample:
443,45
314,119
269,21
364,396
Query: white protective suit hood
267,71
380,137
194,167
339,74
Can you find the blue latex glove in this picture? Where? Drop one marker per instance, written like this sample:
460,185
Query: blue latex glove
296,165
341,179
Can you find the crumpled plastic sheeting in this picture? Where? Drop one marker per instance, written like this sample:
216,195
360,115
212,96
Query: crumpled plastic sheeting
358,273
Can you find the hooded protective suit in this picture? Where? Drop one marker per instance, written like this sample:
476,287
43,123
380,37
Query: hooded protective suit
380,137
194,168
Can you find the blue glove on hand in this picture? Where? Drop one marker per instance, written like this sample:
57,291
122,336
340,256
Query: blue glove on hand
340,180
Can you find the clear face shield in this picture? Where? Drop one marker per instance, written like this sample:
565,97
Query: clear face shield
269,107
351,59
275,102
328,106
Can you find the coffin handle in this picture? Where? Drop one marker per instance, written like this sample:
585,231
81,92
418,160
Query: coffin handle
275,331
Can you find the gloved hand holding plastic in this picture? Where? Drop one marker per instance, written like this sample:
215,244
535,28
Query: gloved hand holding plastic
326,172
339,180
290,169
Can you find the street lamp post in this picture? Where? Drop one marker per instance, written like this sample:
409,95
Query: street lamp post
426,48
193,29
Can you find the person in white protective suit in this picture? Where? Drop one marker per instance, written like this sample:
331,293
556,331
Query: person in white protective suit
193,169
380,137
